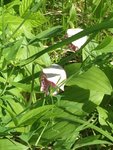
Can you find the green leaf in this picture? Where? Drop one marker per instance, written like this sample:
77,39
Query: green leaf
62,125
46,34
23,87
11,52
9,114
87,50
72,107
87,98
14,105
12,23
93,79
106,46
105,118
36,19
66,121
12,4
88,141
103,115
44,60
72,68
24,6
72,16
32,115
11,145
96,97
90,98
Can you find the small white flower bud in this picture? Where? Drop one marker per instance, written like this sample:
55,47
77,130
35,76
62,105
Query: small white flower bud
53,76
78,43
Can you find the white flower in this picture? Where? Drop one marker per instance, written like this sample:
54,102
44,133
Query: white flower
53,76
78,43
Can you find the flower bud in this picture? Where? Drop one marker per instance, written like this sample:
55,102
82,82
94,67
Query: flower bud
76,45
53,76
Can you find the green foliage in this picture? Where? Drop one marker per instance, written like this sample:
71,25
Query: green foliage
31,36
10,144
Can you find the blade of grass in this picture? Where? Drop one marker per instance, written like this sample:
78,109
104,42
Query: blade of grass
32,98
46,34
36,144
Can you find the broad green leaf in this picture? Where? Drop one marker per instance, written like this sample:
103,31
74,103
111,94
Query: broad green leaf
93,79
44,60
11,145
87,98
72,69
76,94
96,97
90,98
106,46
3,131
98,11
27,51
36,19
23,87
16,92
12,23
11,52
66,123
34,114
72,107
60,129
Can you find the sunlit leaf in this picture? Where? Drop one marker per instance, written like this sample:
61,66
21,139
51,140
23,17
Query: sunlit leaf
106,46
46,34
36,19
90,140
24,6
11,145
34,114
93,79
10,53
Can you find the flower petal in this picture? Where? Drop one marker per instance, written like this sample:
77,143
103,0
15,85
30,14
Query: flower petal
78,43
55,76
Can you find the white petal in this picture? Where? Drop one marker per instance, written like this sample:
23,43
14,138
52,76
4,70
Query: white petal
78,43
56,74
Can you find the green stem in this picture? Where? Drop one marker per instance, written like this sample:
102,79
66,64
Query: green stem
36,144
32,86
